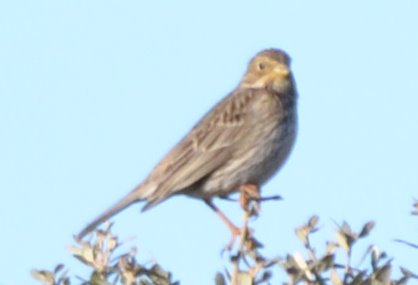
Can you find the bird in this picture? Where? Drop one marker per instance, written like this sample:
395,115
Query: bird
239,144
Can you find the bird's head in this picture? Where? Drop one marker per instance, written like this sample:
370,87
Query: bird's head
269,69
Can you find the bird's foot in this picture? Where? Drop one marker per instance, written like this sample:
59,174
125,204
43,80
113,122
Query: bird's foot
250,198
235,233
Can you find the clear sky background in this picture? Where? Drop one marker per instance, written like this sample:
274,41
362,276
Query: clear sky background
94,93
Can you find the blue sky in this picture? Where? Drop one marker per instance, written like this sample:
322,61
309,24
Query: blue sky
94,93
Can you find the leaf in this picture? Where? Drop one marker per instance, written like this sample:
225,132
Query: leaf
303,265
415,211
408,273
313,221
366,229
58,268
267,275
242,278
326,262
335,278
46,277
302,233
220,279
359,278
383,274
342,241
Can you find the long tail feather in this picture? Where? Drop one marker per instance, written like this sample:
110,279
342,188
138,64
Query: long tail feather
130,199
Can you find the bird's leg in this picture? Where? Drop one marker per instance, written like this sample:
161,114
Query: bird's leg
250,199
235,231
250,193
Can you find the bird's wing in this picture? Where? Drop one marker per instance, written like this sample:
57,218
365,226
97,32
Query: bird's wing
204,149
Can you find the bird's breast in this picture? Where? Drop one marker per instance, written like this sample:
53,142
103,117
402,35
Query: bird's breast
268,140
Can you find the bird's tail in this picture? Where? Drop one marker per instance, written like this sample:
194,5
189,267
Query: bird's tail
128,200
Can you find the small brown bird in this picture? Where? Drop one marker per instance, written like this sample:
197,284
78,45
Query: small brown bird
240,143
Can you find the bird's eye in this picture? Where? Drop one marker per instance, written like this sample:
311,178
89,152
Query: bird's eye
261,66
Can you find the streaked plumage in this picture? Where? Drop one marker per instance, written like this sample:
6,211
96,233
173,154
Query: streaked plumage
244,139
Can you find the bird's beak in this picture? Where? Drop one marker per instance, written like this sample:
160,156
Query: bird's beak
282,70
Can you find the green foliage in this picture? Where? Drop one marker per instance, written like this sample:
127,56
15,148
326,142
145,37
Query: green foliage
324,268
247,266
99,255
